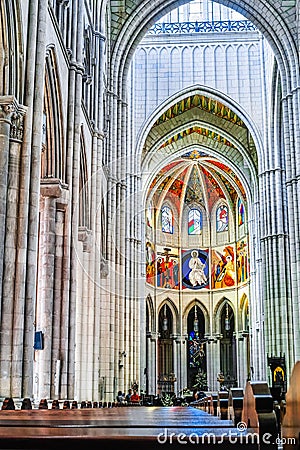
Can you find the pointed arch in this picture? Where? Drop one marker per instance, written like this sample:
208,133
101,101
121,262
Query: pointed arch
83,213
53,150
169,302
11,50
150,312
218,312
187,310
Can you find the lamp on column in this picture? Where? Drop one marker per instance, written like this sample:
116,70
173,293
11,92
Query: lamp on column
196,321
165,319
227,321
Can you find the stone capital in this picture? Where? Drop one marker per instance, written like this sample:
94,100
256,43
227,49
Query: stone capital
51,187
17,124
8,106
85,236
152,335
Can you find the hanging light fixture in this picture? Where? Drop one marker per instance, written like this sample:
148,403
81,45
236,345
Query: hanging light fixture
227,321
165,319
196,321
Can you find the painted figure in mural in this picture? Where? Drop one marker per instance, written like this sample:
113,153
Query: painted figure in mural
241,212
224,273
150,263
160,272
242,262
222,218
197,275
175,273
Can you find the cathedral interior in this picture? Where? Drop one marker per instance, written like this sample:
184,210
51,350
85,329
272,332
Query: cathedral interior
149,196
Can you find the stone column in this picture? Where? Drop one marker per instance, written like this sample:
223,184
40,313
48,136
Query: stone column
8,107
16,136
30,182
290,113
85,317
44,313
152,363
180,349
59,286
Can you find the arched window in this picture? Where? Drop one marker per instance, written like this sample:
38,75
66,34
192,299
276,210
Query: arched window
166,220
222,218
241,212
195,222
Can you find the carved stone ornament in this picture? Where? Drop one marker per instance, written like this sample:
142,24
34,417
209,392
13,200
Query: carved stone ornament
12,112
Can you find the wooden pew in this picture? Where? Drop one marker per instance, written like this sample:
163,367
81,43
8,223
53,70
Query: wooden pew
223,404
235,405
258,413
291,419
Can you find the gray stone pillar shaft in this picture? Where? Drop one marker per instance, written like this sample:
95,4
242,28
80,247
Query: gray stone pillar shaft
154,365
29,203
111,243
95,215
277,295
45,293
57,294
290,107
5,113
74,204
64,330
9,269
94,264
6,311
71,336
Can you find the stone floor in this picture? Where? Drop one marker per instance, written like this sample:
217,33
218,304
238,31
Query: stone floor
139,427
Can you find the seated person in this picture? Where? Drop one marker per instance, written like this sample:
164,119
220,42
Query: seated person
120,397
128,396
135,398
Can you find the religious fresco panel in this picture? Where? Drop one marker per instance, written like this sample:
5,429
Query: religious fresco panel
242,261
223,273
150,263
167,268
195,269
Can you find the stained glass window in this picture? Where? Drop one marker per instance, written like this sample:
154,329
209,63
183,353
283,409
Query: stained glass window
167,220
195,222
222,218
241,212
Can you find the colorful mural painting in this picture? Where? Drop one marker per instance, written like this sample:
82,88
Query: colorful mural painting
241,212
202,102
167,268
195,269
223,267
222,218
242,261
163,266
150,263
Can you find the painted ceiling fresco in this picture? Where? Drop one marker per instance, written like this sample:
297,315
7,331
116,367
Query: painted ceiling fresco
204,103
199,130
196,178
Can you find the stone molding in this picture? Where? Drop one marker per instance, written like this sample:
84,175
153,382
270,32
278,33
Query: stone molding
51,187
13,113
